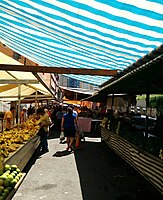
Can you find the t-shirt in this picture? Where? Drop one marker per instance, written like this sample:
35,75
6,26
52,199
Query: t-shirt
75,113
69,120
8,117
59,114
45,121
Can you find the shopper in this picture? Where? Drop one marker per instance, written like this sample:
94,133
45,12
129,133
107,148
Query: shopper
69,125
23,115
44,123
59,115
8,118
54,118
75,112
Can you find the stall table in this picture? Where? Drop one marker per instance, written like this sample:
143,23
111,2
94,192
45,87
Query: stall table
85,123
23,153
89,125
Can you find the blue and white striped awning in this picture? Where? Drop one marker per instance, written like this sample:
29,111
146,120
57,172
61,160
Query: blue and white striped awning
101,34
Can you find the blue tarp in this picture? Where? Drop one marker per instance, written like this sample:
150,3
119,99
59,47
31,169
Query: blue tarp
101,34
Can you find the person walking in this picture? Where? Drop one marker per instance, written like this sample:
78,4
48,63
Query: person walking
8,118
75,111
69,125
59,115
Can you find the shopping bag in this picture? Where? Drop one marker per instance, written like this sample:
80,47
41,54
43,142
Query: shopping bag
78,141
81,134
62,136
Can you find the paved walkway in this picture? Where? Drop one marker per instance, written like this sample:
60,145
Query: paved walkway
92,173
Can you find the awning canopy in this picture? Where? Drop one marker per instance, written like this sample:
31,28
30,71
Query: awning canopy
9,81
76,93
145,79
101,34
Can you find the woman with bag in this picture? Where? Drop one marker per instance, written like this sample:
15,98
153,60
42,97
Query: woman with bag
68,126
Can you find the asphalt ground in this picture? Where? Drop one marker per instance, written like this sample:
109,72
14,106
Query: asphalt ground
93,172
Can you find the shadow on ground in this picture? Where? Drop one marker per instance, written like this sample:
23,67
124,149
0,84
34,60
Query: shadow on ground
104,175
61,153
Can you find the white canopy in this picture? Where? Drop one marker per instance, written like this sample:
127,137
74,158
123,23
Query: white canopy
10,81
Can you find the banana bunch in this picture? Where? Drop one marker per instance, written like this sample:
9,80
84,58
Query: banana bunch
12,139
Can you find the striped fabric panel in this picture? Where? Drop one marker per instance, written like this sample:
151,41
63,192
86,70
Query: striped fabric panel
146,164
148,161
154,176
94,34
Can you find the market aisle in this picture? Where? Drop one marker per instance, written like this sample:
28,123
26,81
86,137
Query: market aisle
51,177
91,173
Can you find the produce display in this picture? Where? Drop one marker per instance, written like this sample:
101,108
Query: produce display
11,140
8,179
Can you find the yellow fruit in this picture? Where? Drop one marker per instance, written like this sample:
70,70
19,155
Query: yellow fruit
7,167
20,174
1,181
14,167
6,191
7,172
9,189
1,188
17,178
3,176
18,170
14,182
10,177
15,172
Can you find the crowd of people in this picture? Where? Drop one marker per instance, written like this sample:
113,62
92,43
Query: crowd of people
61,118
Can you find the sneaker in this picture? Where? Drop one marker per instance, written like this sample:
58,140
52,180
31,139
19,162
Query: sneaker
72,149
44,151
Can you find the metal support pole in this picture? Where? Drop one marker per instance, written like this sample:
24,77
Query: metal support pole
112,106
19,102
146,120
36,102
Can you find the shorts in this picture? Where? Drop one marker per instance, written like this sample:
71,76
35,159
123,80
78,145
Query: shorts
69,132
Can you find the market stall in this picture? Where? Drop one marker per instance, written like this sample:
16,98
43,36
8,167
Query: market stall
18,144
149,166
23,154
141,149
16,148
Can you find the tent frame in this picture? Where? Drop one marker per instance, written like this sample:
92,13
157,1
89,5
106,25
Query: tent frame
57,70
